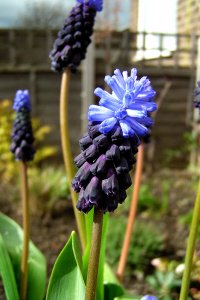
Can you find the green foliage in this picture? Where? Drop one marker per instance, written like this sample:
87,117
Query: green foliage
12,236
165,283
8,168
66,282
189,144
148,201
127,297
47,185
112,287
147,242
186,219
42,152
7,273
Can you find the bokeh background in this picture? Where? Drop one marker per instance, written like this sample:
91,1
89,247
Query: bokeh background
162,40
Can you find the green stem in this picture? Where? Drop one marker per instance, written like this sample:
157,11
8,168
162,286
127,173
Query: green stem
190,248
93,263
26,232
67,155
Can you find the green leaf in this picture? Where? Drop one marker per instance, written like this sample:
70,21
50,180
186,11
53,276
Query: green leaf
153,281
112,287
126,298
89,222
7,273
169,278
12,235
66,281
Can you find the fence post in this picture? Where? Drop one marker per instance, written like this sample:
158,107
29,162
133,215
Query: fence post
87,83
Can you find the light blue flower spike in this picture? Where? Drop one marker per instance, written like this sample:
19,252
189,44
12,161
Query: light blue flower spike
128,105
22,100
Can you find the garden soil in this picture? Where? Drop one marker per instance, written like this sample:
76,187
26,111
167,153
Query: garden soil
51,230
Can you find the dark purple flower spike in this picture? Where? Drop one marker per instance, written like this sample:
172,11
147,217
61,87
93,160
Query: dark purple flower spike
108,148
74,37
22,134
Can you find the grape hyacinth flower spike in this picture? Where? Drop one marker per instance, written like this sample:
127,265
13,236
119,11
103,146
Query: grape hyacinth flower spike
68,51
22,133
74,37
23,150
108,153
109,147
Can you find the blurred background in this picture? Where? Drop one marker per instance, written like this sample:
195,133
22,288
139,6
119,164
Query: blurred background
159,38
162,40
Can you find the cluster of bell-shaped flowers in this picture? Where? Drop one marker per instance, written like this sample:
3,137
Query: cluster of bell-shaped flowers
22,133
108,148
74,37
196,99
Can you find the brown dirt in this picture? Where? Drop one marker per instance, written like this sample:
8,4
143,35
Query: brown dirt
51,231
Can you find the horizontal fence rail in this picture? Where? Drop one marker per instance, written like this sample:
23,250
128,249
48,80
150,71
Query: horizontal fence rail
167,59
23,48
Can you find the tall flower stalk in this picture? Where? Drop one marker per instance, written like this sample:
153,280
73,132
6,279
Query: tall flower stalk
23,150
108,153
190,248
67,156
68,50
95,247
194,225
26,228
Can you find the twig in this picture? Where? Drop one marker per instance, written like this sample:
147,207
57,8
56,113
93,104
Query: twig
132,214
161,98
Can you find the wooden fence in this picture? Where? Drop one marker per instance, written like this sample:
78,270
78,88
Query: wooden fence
24,64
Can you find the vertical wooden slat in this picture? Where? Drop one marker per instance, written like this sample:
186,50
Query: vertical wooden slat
88,78
32,83
144,34
49,44
160,47
30,44
12,48
176,56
